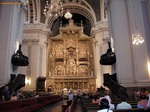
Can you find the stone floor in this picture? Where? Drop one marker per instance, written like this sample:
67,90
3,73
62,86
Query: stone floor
57,107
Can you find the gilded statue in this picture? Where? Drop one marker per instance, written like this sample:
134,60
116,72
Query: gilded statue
71,67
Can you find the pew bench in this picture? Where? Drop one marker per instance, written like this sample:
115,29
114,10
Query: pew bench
95,109
29,104
32,104
13,106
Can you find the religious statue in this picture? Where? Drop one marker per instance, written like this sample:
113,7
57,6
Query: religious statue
71,67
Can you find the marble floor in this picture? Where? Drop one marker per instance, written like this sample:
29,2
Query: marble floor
78,106
57,107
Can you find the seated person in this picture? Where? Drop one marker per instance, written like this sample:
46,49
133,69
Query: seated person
124,104
111,106
20,95
37,95
14,96
6,94
85,95
136,94
104,106
148,101
78,94
95,99
142,104
143,93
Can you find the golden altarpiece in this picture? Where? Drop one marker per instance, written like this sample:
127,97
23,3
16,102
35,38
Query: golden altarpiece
70,60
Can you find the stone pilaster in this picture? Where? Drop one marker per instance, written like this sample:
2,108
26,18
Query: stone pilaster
35,45
101,37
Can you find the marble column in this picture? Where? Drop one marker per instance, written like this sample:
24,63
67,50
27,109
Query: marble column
101,36
131,65
11,27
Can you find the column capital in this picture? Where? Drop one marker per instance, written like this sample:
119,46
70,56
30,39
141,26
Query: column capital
99,27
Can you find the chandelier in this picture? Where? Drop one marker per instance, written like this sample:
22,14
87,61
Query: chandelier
53,9
137,39
68,15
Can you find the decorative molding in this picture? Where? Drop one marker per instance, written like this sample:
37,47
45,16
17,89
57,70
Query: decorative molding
21,5
30,41
106,39
106,4
36,28
99,27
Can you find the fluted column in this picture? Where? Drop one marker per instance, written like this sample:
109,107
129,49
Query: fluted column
35,44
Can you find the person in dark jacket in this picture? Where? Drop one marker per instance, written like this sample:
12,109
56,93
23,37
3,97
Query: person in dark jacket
6,94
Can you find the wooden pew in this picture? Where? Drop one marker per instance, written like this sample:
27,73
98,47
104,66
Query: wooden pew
87,105
127,110
29,104
13,106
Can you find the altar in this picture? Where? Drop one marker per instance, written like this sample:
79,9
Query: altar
71,60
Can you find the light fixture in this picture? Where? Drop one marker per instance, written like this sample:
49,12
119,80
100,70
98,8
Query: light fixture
137,39
16,46
68,15
53,9
148,67
27,81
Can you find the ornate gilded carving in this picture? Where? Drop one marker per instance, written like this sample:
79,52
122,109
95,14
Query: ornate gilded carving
83,70
70,61
71,67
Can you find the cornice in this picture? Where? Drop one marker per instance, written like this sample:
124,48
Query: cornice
99,27
31,41
36,28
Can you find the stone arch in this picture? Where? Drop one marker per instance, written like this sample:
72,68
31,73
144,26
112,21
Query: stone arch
81,7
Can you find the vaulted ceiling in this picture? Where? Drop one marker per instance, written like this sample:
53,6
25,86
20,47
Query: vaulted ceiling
87,11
